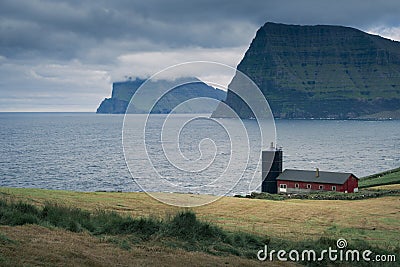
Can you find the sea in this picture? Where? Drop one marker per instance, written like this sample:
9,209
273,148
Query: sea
93,152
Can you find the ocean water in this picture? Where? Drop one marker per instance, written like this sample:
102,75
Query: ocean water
84,152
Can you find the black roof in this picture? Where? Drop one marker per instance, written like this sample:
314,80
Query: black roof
310,176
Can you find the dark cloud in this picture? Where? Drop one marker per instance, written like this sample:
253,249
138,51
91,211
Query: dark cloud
68,29
38,34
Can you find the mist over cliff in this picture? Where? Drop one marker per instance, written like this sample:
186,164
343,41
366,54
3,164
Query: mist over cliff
191,88
321,71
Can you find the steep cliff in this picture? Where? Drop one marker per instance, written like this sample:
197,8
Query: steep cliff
123,91
321,72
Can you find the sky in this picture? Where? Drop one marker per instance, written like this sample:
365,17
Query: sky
64,55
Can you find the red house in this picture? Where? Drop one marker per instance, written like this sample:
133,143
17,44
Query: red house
301,181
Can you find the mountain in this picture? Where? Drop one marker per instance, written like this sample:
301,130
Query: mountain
321,72
189,88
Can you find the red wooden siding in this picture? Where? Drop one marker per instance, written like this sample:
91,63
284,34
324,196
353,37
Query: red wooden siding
314,186
348,186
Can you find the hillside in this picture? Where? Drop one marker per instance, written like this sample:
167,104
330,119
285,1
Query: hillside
322,72
391,177
50,227
123,91
33,245
375,218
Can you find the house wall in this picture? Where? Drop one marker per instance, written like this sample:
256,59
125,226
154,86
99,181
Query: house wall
290,187
351,184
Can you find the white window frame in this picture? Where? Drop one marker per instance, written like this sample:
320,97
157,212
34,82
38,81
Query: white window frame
333,187
309,186
284,186
296,185
321,187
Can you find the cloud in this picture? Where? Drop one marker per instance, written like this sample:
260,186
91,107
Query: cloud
392,33
78,47
52,87
74,86
67,30
145,64
72,29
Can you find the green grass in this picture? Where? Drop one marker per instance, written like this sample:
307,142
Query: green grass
383,178
291,219
326,195
182,230
5,240
121,242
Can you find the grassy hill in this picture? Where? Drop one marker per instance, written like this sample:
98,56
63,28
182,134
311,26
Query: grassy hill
390,177
239,227
33,245
321,71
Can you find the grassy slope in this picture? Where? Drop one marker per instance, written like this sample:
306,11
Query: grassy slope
328,59
376,221
380,179
386,187
323,71
33,245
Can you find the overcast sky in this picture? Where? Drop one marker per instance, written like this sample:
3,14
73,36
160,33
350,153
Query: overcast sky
64,55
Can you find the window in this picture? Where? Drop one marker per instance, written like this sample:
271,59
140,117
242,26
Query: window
308,186
283,185
333,188
320,187
296,185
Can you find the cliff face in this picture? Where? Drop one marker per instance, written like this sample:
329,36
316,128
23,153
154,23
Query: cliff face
321,72
123,91
120,97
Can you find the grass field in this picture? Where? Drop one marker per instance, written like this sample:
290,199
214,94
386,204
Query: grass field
373,222
376,221
386,187
33,245
383,178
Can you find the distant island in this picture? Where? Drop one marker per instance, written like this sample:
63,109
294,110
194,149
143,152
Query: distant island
321,72
122,93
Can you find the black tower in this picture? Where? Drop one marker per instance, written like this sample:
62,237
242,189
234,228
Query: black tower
271,169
